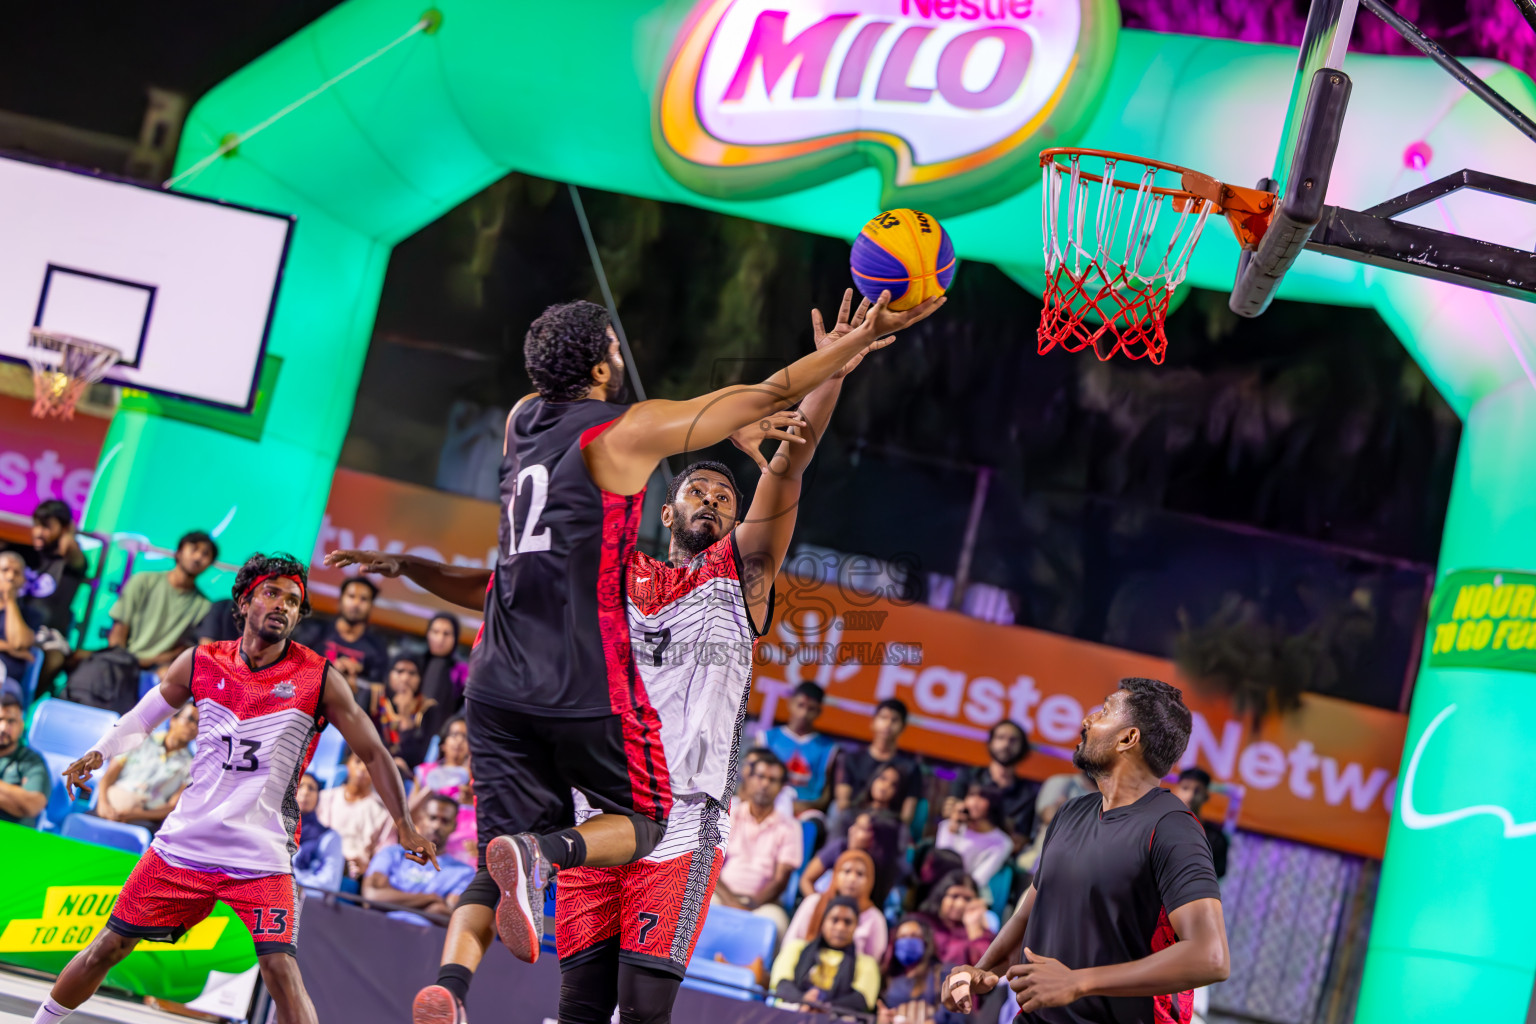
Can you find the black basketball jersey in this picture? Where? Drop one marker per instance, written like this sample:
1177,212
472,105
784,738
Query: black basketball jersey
555,632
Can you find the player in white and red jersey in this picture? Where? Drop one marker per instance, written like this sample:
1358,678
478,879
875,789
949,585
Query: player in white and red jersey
262,701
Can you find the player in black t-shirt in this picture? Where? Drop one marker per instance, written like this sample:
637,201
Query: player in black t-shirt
1123,919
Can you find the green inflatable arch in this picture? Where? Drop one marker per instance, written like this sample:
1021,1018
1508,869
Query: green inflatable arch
569,91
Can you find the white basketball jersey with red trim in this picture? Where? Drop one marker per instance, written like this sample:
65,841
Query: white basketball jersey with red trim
692,640
256,732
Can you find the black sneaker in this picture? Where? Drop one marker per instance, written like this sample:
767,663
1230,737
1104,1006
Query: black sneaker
522,874
436,1005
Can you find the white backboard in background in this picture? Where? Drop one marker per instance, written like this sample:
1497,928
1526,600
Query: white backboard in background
183,286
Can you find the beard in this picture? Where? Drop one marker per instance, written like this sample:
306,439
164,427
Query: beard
271,633
1093,763
1011,759
694,541
618,389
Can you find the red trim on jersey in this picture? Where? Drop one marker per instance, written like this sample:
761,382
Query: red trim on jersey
1179,1007
592,433
654,585
296,680
650,780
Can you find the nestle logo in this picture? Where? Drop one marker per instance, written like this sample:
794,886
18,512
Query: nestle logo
970,10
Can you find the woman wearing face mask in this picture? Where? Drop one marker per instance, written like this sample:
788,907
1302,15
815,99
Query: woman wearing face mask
914,979
877,834
853,878
443,674
829,970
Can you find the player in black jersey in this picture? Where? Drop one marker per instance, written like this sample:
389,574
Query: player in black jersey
1123,919
553,702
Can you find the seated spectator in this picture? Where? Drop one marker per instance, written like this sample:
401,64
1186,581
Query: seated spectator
142,786
853,878
784,803
408,720
958,916
25,781
974,831
393,877
154,613
355,811
809,757
856,770
914,978
450,776
57,555
350,643
877,834
828,970
18,623
310,866
765,848
1007,746
219,624
883,794
443,673
1194,789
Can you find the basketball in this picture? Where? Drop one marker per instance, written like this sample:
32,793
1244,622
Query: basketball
905,252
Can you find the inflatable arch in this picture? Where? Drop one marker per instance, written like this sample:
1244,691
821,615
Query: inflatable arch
570,91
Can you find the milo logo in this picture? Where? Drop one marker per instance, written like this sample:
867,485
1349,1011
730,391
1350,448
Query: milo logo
951,99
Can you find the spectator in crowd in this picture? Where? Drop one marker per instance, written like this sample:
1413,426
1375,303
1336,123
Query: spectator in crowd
443,674
914,978
356,812
878,834
18,623
450,776
1194,788
57,555
975,831
765,848
142,786
853,878
219,624
310,866
349,641
883,793
856,770
153,617
394,878
1008,746
1054,794
829,970
784,804
25,781
408,720
958,916
808,756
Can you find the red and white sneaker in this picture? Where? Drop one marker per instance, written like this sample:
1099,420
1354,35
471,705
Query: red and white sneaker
522,874
436,1005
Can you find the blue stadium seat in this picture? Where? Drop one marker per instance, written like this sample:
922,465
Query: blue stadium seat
329,876
919,820
791,894
326,764
726,980
432,750
147,681
30,677
119,835
63,727
60,806
547,942
739,936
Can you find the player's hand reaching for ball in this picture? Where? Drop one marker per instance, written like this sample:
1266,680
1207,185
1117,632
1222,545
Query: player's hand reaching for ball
884,320
965,985
1041,981
781,426
376,563
845,323
78,774
417,846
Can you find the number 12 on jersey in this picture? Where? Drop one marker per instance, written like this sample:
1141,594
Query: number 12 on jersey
537,477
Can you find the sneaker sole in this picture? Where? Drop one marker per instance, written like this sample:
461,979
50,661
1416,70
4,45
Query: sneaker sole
515,922
435,1005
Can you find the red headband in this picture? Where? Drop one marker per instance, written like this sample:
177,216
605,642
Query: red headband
258,581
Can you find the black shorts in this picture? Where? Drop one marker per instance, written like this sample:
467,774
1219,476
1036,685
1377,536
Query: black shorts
525,767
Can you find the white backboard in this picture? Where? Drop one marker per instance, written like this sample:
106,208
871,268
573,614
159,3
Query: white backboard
183,286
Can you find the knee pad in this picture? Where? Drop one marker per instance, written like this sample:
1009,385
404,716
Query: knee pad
482,892
648,834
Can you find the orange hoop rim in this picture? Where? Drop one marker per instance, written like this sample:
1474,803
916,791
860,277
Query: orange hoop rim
1048,156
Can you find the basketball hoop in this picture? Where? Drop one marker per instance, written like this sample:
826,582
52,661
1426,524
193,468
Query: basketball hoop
58,385
1116,266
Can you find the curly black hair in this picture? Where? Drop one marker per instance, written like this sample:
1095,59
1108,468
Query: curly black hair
279,563
562,347
704,466
1158,710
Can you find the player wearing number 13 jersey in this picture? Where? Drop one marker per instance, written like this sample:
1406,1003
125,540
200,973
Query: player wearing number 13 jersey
262,701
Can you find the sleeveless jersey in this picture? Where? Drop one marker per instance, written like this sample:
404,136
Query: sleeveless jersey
693,639
553,641
256,732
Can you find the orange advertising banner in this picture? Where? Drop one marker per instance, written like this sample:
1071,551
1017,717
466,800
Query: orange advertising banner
1324,775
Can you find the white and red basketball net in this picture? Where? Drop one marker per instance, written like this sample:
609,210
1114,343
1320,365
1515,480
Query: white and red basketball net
1109,272
62,368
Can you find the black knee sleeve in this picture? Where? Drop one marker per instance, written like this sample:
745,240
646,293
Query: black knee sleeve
648,834
589,990
482,892
646,995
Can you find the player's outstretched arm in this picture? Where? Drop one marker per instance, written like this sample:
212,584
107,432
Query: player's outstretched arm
968,982
363,739
623,457
155,707
458,584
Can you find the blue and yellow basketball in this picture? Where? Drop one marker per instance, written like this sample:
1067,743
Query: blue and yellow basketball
905,252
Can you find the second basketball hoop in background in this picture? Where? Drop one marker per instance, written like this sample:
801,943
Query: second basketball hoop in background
62,368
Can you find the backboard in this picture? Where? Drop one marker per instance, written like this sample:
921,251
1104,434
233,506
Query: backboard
183,286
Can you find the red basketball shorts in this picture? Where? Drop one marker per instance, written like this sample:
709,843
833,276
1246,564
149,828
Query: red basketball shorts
159,902
653,909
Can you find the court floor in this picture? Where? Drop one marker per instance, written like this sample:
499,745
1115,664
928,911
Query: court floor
20,996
